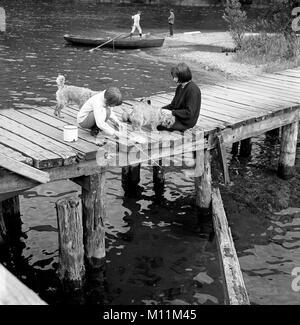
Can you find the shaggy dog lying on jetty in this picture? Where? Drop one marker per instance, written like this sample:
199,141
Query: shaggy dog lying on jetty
144,114
70,95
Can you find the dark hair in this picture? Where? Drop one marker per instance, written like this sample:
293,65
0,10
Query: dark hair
113,96
171,10
182,72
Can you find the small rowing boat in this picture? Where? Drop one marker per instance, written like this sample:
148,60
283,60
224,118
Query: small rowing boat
123,42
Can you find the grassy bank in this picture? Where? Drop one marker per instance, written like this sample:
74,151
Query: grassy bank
271,51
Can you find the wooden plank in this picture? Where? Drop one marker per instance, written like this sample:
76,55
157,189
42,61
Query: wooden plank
270,90
264,95
279,80
231,112
11,182
68,155
212,113
6,196
35,121
252,130
23,169
41,157
15,155
243,107
84,134
209,124
288,91
289,87
289,73
14,292
235,289
251,100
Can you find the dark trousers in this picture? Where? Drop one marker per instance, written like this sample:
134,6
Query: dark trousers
171,29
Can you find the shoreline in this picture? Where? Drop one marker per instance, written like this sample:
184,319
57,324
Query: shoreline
213,66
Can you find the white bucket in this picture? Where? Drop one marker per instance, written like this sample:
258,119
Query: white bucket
70,133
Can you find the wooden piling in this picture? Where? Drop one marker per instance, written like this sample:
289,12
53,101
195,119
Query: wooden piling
288,147
203,183
223,158
11,207
158,178
130,177
3,231
246,148
234,286
10,221
70,236
93,207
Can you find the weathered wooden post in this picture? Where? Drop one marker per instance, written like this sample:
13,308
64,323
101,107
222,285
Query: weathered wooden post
245,148
3,231
233,282
158,178
94,214
70,236
203,182
288,147
130,177
11,223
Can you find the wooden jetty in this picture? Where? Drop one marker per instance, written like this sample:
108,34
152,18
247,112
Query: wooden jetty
14,292
231,112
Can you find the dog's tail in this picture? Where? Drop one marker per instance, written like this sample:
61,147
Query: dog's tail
60,80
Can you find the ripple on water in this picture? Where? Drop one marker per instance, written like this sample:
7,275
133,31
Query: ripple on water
268,268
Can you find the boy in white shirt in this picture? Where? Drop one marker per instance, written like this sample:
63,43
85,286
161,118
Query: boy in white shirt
96,111
136,24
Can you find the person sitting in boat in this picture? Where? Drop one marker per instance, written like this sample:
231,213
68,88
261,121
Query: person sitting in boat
96,111
136,23
186,104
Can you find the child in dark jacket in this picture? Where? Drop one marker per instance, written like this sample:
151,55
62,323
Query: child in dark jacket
186,103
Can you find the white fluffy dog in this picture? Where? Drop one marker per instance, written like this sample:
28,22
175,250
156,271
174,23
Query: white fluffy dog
70,95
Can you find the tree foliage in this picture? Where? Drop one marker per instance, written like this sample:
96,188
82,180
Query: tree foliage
236,19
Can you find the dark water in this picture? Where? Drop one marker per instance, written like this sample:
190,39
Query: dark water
156,253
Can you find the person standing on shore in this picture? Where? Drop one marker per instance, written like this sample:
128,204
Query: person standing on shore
171,20
2,20
136,23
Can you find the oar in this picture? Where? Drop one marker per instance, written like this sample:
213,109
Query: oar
112,39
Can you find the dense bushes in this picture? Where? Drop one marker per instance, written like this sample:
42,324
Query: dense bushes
236,19
275,41
268,49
